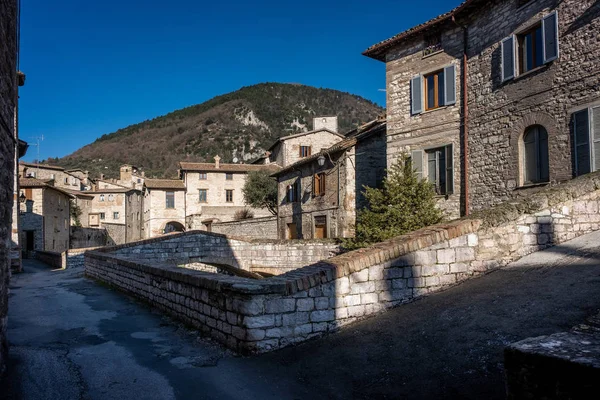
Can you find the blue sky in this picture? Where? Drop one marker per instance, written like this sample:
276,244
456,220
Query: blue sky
94,66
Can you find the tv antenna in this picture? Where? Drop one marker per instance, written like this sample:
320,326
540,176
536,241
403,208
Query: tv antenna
38,140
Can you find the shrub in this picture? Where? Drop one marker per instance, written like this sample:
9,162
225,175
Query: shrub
245,213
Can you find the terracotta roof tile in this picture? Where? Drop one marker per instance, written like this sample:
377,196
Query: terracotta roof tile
191,166
164,184
44,166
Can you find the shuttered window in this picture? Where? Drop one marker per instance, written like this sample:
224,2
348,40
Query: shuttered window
527,50
293,192
536,164
450,85
437,166
319,184
416,94
170,199
586,132
305,151
433,90
202,195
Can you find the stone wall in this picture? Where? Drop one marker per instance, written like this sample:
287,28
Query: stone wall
499,113
257,316
75,257
52,258
115,233
87,237
254,228
8,90
270,256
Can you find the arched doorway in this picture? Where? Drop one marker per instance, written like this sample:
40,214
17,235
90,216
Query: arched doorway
173,226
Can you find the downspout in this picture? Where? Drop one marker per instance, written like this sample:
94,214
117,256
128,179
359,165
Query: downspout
465,115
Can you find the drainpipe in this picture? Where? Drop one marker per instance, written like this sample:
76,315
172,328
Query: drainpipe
465,115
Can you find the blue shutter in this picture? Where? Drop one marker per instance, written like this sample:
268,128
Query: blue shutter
581,135
417,162
550,37
416,91
508,58
595,136
450,85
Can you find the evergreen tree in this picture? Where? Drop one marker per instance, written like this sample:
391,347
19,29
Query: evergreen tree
403,204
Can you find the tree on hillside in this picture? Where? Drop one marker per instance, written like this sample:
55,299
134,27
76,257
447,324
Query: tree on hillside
403,204
260,191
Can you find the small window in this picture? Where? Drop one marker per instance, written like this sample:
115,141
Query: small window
111,197
535,144
320,227
116,215
434,90
202,195
102,216
229,176
203,176
319,184
293,192
229,196
52,176
436,169
433,43
170,199
139,180
305,151
437,166
531,53
101,197
66,181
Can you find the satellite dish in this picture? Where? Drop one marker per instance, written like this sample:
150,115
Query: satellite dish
235,159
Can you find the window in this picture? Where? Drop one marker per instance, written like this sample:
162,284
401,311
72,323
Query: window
229,176
170,199
586,132
530,49
437,166
305,151
293,192
102,216
321,227
229,196
535,155
52,176
536,46
433,90
203,176
116,215
101,197
433,43
31,174
111,197
66,181
202,195
139,180
319,184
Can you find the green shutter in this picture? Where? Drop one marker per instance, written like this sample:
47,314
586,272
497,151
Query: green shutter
449,169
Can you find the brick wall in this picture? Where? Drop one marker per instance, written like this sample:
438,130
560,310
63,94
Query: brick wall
255,228
8,88
257,316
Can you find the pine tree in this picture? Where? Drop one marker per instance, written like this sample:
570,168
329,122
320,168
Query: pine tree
403,204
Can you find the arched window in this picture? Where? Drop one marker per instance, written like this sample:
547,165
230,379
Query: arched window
535,155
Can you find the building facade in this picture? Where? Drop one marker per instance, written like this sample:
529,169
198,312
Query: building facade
117,207
495,97
318,196
164,207
62,179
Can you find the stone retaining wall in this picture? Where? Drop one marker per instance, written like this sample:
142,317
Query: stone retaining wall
82,238
53,259
75,257
253,228
256,316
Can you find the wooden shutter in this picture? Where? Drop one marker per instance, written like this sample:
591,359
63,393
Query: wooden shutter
449,169
581,134
450,85
508,58
417,162
416,92
316,184
550,37
595,136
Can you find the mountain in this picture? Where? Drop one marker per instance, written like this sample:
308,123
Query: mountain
240,125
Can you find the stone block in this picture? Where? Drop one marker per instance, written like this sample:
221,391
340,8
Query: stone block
342,286
459,267
459,241
261,321
307,304
368,298
472,239
429,270
363,287
424,257
276,306
376,272
446,256
322,316
322,303
465,254
360,276
350,300
255,334
356,311
303,330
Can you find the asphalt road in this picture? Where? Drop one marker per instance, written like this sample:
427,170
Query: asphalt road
72,338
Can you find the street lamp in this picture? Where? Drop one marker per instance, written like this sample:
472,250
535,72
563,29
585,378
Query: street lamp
321,160
22,198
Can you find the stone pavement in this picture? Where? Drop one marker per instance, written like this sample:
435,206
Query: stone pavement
74,339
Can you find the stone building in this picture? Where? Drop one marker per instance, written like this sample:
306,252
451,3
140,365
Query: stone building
164,206
319,195
45,217
130,176
44,172
213,191
8,146
292,148
522,114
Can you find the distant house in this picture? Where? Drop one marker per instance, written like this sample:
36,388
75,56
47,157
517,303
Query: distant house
45,216
289,149
318,196
60,177
164,206
213,191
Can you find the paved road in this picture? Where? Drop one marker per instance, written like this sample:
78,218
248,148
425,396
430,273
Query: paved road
74,339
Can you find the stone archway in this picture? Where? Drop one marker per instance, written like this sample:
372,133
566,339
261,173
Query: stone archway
173,226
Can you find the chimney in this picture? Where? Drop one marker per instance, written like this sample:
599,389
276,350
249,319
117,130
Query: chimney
330,123
217,159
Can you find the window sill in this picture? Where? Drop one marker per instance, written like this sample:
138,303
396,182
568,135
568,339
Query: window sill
434,110
432,54
531,185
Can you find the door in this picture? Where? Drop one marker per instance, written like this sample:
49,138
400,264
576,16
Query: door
321,227
292,232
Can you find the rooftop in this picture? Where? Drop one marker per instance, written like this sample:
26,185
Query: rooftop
192,166
164,184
